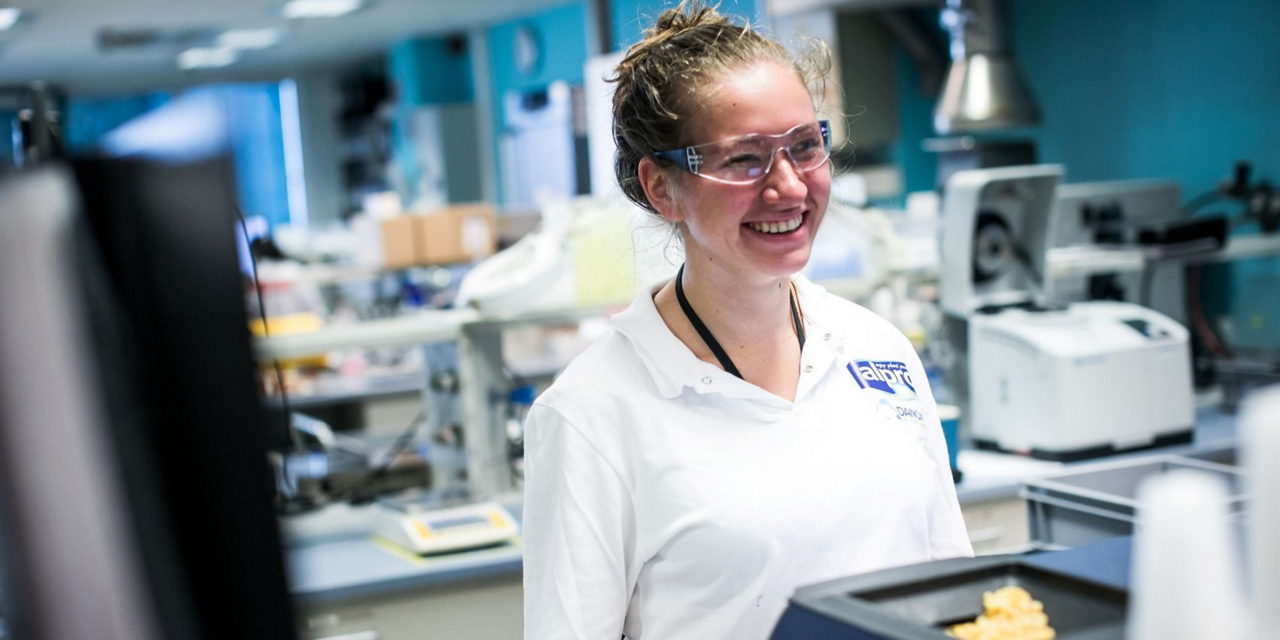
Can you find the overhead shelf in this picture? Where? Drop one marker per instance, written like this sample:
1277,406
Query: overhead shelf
1091,259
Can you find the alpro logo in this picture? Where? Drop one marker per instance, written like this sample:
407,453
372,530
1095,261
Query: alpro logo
881,375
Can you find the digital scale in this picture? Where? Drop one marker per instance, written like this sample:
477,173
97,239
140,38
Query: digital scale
424,530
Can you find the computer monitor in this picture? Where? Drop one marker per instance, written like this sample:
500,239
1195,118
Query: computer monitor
71,560
136,500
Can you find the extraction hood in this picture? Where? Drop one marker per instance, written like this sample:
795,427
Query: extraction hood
984,90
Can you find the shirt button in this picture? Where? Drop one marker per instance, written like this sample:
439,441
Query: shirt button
826,337
808,368
706,380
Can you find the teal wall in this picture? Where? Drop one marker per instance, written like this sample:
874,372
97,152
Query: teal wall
424,71
1153,88
1136,89
915,122
628,20
561,33
562,37
427,71
1176,89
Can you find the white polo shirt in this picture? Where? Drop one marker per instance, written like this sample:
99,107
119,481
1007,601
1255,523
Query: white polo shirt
668,499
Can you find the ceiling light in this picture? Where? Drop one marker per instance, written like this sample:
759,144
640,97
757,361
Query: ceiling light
249,38
9,17
206,58
320,8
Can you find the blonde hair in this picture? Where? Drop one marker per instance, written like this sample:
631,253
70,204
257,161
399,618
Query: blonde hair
679,58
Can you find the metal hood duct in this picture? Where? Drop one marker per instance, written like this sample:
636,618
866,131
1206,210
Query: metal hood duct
985,89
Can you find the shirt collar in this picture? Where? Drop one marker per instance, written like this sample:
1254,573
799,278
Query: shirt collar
819,317
673,366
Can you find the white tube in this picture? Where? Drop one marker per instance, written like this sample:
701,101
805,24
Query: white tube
1260,434
1186,582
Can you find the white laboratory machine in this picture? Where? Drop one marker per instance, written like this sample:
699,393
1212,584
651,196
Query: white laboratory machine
442,530
1060,382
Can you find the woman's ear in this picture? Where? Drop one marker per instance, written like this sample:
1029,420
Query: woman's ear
659,188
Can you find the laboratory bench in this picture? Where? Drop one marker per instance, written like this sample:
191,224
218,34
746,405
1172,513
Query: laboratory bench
345,581
348,584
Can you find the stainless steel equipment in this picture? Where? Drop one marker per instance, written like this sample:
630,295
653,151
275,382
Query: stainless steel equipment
984,89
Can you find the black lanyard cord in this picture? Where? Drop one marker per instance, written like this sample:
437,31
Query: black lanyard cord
711,341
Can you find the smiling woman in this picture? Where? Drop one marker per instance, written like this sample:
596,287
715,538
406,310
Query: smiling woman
727,442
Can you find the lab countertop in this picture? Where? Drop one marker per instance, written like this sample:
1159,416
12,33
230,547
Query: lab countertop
992,476
332,555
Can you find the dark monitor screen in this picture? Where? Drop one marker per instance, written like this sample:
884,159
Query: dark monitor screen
168,323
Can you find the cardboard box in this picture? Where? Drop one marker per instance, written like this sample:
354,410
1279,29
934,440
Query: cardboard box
398,242
455,234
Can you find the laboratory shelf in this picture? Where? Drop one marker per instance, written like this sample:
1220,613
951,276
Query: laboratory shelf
352,390
418,328
448,325
1095,259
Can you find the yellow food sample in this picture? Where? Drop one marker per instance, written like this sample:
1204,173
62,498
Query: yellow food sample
1011,614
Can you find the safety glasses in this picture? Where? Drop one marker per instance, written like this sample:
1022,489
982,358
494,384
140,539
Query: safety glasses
747,159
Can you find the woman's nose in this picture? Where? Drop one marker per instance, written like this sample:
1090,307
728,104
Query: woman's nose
783,184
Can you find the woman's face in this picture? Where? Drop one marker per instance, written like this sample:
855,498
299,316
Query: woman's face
723,222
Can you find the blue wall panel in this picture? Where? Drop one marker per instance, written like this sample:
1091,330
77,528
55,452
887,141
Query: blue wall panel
256,140
428,71
424,71
1153,88
88,119
561,33
1175,89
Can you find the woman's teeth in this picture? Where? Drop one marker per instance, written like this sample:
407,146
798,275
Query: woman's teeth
777,227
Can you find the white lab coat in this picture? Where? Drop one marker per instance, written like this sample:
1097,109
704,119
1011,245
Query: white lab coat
668,499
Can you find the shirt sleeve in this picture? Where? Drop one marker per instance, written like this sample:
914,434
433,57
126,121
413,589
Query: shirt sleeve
579,535
948,537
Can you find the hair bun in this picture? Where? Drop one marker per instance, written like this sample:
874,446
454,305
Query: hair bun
683,17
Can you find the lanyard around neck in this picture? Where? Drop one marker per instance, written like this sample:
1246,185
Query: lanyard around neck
711,341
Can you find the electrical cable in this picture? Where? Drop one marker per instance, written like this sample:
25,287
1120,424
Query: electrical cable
1203,200
262,315
1198,319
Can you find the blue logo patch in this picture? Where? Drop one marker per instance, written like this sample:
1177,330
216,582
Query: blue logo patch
882,375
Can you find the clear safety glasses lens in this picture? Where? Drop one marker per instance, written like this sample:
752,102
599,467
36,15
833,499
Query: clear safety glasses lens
747,159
